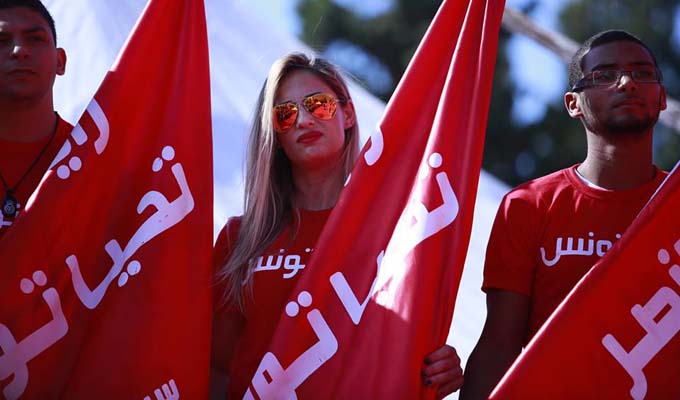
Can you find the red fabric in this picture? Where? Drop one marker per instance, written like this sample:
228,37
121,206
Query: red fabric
558,211
140,240
273,282
631,297
411,194
16,158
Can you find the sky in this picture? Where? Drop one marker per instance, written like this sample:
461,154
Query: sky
537,87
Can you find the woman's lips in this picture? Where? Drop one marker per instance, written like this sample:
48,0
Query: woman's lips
308,137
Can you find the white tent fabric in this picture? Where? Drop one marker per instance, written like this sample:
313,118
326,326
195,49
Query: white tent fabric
242,47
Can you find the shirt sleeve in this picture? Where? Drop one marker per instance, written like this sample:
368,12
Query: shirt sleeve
510,253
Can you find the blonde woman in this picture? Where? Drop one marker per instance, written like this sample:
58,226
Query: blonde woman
303,144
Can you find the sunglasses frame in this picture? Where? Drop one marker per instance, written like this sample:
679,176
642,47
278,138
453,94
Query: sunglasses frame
334,101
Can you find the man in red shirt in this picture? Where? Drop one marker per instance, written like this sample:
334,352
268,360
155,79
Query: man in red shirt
550,231
31,133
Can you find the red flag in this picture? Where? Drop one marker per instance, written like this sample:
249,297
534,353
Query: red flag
106,276
407,212
616,335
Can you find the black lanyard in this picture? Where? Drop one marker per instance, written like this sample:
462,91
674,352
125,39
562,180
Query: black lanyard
10,205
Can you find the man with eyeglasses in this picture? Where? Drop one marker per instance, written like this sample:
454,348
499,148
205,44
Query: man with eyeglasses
550,231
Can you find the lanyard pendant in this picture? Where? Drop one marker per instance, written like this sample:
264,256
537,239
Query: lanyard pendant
10,206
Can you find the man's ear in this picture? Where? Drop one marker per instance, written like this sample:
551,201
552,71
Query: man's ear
662,98
61,61
572,102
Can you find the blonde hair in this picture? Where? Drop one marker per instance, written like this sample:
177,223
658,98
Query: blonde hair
269,188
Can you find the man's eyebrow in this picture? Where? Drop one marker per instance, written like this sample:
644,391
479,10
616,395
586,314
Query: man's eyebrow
35,29
645,63
603,66
614,65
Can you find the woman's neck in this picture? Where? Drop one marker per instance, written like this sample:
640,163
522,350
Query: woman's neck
317,189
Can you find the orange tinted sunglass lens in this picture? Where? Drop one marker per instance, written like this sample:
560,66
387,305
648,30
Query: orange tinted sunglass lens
321,105
284,116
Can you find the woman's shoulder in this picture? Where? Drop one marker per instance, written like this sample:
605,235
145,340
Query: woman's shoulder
227,236
232,226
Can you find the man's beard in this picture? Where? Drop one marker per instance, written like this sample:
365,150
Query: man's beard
628,124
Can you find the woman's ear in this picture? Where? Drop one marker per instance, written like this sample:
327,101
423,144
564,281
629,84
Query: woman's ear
349,115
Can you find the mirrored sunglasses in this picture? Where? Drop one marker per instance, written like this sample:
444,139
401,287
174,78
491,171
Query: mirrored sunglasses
320,105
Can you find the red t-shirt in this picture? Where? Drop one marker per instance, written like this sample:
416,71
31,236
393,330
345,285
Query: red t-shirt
15,160
276,273
550,231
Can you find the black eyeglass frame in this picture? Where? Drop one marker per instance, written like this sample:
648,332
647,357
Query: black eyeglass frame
589,81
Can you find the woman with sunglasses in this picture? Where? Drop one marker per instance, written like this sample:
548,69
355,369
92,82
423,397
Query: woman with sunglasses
303,144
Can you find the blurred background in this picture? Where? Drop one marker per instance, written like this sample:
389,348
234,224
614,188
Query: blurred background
529,133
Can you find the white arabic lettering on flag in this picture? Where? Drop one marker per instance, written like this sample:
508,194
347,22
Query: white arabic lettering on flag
128,195
401,252
592,334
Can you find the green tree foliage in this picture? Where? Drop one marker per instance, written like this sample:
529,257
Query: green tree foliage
514,151
391,38
653,22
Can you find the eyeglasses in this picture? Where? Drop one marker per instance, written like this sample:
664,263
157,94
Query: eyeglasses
321,105
608,77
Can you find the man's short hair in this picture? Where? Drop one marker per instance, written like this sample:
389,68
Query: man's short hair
576,64
33,5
